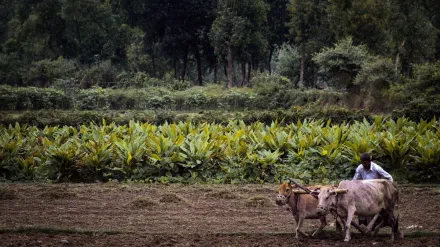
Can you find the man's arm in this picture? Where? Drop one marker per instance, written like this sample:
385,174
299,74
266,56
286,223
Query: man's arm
357,175
384,174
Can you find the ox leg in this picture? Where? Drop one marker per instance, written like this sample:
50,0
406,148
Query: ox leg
377,228
358,227
397,234
299,222
338,225
323,224
350,214
391,221
371,224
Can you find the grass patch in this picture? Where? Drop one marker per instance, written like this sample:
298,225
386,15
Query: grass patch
7,193
144,202
58,193
258,201
171,198
420,234
223,194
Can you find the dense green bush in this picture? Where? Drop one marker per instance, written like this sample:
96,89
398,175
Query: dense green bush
10,70
32,98
287,63
341,63
93,99
45,72
102,74
74,118
418,98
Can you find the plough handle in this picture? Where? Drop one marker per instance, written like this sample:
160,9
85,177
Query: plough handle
301,186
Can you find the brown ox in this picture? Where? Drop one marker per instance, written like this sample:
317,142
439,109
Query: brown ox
363,198
302,206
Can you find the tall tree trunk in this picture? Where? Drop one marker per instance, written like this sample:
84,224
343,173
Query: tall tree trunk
409,65
153,60
243,74
397,60
185,63
270,60
229,58
225,68
301,73
249,73
199,67
215,71
315,78
175,68
78,33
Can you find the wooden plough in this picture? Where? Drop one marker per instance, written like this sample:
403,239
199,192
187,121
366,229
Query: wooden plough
305,190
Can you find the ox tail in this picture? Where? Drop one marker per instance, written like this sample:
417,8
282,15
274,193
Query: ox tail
396,231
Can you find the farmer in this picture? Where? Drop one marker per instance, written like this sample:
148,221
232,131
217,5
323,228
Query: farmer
369,170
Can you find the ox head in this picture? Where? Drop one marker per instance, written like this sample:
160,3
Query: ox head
284,193
327,200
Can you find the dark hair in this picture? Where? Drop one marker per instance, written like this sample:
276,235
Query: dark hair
365,157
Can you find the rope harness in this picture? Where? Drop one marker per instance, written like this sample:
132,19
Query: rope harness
296,198
335,211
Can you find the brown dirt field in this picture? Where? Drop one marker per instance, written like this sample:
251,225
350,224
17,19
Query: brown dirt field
115,214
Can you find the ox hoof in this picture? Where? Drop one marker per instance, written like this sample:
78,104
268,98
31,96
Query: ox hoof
364,229
400,235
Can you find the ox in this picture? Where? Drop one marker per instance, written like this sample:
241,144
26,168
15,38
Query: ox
362,198
302,206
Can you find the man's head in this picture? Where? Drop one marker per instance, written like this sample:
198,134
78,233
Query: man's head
366,160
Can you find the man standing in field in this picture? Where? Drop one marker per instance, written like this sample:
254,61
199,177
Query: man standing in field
369,170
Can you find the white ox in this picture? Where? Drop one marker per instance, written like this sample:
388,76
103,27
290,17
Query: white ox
363,198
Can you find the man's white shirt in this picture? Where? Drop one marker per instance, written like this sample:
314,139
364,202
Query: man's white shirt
375,172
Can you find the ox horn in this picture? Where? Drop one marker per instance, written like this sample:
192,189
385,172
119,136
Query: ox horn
341,191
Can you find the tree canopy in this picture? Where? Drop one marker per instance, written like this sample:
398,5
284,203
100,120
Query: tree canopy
199,41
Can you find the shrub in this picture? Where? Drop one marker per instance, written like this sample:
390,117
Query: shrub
45,72
341,63
287,63
32,98
10,73
92,99
102,74
427,78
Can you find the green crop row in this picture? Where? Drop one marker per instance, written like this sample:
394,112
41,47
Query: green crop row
309,150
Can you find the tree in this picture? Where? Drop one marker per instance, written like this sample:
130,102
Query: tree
238,24
308,29
413,34
187,28
367,21
276,29
342,63
374,79
92,27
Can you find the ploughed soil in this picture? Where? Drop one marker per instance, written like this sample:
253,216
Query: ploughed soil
114,214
